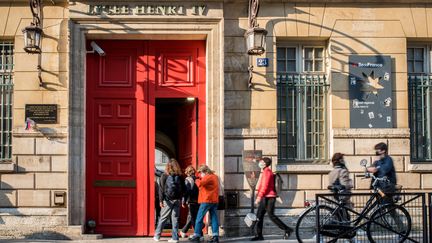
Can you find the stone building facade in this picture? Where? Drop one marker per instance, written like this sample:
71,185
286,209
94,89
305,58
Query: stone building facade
38,166
307,40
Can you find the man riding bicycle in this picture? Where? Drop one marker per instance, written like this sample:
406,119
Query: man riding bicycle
383,167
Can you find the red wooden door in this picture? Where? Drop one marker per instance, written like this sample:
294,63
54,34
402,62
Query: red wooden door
115,152
120,126
177,70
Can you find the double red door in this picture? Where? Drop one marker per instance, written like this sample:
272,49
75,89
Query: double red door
120,126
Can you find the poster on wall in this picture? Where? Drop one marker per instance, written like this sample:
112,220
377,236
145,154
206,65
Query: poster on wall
250,159
370,91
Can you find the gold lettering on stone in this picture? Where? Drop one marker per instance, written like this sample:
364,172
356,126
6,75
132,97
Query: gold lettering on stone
165,10
171,10
150,10
160,10
181,10
140,10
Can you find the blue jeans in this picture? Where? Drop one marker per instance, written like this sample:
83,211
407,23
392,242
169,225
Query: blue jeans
212,209
171,208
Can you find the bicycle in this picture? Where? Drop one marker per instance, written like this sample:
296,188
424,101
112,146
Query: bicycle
381,218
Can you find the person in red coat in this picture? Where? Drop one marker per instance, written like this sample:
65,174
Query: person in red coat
266,200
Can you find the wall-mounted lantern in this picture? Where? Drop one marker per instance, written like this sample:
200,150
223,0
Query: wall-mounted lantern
255,36
33,34
256,40
32,39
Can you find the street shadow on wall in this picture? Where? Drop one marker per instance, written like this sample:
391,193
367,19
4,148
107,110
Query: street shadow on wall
7,203
54,80
8,210
339,59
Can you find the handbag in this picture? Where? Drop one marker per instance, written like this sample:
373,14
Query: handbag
221,203
250,219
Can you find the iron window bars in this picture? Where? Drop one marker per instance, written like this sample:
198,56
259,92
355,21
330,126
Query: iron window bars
420,92
301,117
6,99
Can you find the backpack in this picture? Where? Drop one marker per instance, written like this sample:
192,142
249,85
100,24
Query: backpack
194,191
278,183
173,187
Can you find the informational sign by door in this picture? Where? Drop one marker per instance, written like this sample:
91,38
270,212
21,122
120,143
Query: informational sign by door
251,169
370,89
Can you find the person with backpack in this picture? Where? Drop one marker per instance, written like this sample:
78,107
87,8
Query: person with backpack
266,200
190,199
170,195
340,182
208,198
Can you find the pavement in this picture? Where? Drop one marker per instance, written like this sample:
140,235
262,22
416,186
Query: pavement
268,239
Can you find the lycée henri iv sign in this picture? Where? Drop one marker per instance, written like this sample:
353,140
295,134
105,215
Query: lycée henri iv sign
146,9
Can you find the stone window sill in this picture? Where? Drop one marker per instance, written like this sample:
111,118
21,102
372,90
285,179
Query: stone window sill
7,167
419,167
305,167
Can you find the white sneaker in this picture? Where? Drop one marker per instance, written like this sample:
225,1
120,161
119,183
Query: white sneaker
182,234
156,238
173,241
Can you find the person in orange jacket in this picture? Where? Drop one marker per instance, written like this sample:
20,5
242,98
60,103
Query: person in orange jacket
208,184
266,200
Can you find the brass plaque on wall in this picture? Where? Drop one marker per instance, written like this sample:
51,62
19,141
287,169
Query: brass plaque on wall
114,183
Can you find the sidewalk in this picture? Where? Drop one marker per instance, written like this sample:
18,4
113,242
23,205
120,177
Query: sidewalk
269,239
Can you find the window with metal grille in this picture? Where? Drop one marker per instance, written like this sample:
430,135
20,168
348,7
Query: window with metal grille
302,90
420,102
6,92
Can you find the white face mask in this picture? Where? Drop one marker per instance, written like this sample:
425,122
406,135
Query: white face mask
261,164
202,175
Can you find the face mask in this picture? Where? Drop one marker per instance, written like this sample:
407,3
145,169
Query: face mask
262,165
378,153
202,175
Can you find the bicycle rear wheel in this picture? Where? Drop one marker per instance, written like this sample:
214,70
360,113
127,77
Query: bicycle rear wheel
389,223
306,224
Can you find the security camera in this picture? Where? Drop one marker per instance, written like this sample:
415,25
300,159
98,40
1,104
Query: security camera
97,49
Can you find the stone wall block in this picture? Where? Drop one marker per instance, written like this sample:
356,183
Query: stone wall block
231,164
45,146
268,146
34,198
8,198
426,181
301,182
345,146
311,194
33,163
236,146
17,181
361,183
408,180
291,199
23,145
51,181
399,146
353,163
235,182
366,146
398,162
59,163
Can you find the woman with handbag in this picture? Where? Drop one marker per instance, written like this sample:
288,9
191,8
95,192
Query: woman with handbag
266,201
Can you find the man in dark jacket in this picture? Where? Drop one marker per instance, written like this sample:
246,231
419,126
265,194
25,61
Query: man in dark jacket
383,167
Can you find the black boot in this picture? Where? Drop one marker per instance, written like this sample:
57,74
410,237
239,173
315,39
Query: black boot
257,238
287,234
194,238
214,239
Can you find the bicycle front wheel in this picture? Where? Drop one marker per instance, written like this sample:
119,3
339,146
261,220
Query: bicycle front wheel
389,223
306,224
